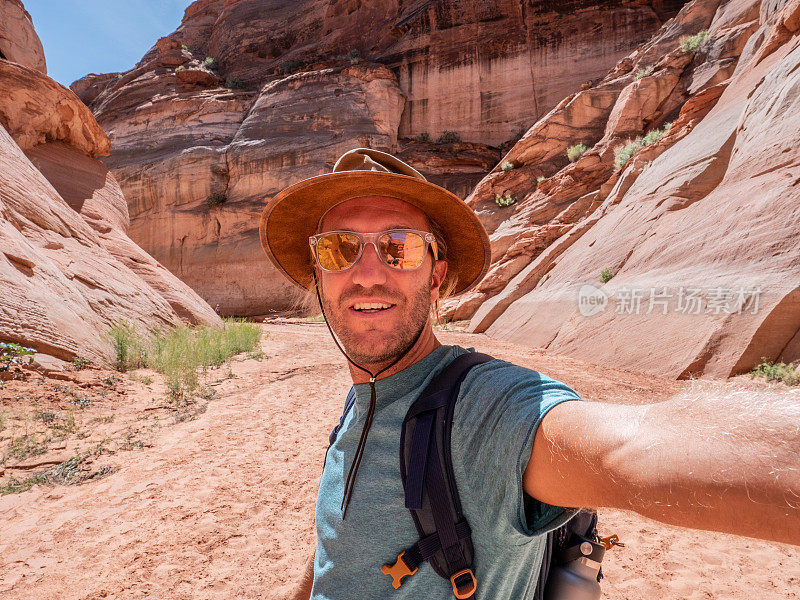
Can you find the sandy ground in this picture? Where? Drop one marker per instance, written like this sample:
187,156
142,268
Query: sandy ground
215,500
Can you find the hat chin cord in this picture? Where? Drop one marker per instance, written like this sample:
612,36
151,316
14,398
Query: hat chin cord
362,442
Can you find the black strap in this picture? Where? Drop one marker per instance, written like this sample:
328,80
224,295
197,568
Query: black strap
428,480
348,404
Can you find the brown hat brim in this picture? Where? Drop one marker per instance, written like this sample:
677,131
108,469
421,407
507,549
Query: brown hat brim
292,216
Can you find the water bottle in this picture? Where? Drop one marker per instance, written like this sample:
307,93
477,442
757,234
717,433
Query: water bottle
576,576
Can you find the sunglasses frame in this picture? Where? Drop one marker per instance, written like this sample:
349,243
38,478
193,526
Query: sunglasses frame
372,238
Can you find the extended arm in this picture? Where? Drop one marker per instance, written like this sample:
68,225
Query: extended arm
725,463
303,589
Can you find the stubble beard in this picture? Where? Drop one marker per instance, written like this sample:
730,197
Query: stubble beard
399,341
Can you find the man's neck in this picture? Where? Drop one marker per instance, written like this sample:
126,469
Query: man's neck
426,344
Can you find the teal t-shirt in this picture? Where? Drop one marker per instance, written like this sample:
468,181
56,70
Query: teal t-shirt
499,408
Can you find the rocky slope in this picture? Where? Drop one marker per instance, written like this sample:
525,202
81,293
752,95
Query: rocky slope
248,96
67,268
699,229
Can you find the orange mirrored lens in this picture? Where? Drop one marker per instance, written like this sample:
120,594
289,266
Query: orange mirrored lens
338,251
402,249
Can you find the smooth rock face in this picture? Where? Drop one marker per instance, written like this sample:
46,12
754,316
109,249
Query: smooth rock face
308,81
699,229
18,40
62,289
90,190
68,271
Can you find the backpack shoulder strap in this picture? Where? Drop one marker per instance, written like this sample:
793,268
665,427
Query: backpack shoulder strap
348,404
429,483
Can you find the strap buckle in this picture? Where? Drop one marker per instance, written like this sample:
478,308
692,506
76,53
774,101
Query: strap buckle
398,570
467,591
611,541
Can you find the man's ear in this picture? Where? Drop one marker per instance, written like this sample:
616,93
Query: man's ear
437,278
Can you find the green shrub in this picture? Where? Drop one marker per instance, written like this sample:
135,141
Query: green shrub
423,137
505,200
79,363
690,44
215,199
540,178
209,63
644,72
606,275
179,352
624,152
507,166
129,351
449,137
179,68
788,374
234,83
12,354
574,152
184,47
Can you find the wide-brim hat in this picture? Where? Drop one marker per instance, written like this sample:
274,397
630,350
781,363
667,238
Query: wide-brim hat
294,214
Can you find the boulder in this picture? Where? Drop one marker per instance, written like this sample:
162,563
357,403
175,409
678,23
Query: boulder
18,40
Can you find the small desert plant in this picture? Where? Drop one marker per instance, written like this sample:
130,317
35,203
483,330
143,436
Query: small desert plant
787,373
209,62
624,152
179,68
644,72
448,137
423,137
215,199
505,200
79,363
178,352
574,152
234,83
128,347
184,47
540,178
12,354
606,275
690,44
25,446
507,166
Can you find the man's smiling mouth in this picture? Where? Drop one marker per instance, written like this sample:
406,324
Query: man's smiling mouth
371,307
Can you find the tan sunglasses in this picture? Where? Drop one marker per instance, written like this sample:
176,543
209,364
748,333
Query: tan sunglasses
401,249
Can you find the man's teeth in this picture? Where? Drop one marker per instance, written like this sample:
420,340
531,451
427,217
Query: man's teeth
371,306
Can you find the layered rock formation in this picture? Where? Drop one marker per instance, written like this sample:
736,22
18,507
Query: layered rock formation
305,81
18,39
67,269
699,229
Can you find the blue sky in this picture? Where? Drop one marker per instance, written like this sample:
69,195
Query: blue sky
100,36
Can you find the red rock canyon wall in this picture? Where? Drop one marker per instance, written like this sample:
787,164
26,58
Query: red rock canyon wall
67,268
307,81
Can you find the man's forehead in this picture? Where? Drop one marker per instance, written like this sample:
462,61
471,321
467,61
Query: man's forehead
373,212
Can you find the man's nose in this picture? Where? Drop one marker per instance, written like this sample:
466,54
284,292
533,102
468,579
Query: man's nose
369,270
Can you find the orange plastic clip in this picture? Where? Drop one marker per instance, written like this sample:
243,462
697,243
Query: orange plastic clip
469,591
611,541
397,571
